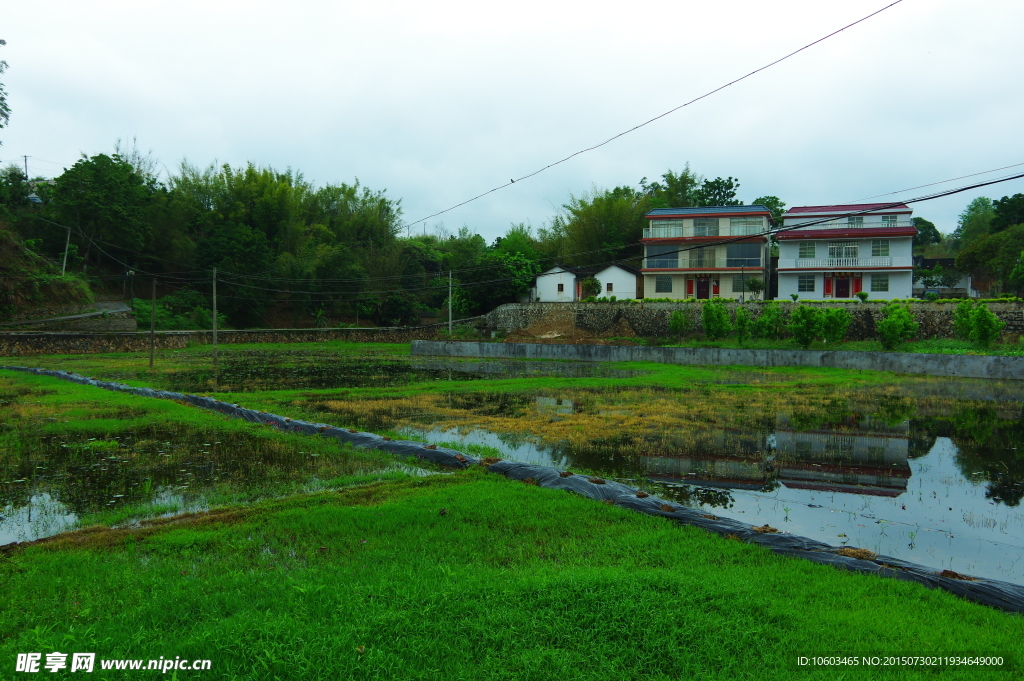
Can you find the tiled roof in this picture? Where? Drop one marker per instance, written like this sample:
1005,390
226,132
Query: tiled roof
717,210
848,208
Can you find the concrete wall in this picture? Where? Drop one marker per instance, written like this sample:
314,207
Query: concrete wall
966,366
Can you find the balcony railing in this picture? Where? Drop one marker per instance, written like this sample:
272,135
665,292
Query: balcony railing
844,263
689,232
842,224
701,263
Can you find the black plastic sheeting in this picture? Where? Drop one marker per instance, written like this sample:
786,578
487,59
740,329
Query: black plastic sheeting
1002,595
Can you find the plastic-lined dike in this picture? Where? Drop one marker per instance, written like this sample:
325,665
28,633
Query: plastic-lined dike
994,593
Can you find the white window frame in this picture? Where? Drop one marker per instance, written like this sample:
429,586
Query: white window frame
807,246
879,280
843,249
804,281
879,248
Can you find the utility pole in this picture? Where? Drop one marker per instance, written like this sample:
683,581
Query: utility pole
26,168
214,318
152,324
67,243
449,302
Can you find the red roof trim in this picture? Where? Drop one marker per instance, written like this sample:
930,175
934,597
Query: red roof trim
864,232
701,239
852,208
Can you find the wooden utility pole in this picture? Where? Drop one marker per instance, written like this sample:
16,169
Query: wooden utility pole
449,303
67,243
152,324
214,318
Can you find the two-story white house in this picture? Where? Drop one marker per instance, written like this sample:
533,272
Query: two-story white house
704,252
848,249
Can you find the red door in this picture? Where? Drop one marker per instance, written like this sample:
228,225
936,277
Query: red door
842,288
703,289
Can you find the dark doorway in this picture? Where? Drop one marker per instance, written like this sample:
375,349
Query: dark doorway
703,289
842,288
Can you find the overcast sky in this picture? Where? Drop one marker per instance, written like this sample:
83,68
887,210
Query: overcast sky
439,101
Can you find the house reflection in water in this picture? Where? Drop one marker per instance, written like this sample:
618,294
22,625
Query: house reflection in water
867,458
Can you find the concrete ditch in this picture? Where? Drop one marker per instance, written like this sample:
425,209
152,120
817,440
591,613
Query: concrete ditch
993,593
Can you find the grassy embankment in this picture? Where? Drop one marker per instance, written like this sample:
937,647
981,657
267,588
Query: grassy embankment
465,577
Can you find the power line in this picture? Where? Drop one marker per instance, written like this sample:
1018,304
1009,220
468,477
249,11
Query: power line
932,184
658,117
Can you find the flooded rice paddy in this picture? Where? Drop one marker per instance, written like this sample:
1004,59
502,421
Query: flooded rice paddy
930,471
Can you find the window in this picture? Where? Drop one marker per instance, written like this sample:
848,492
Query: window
561,288
805,282
890,220
879,282
739,282
608,287
666,229
662,256
738,226
663,283
842,249
702,257
743,255
705,226
807,249
879,248
855,220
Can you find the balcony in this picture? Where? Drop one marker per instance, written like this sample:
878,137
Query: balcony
843,263
842,224
690,232
702,263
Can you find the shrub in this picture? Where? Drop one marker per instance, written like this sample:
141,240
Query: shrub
715,319
931,296
679,323
896,327
805,324
863,295
835,321
985,326
755,286
794,296
962,319
742,324
769,323
590,287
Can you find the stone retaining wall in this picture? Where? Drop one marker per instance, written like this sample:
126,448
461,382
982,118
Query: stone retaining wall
16,343
651,319
966,366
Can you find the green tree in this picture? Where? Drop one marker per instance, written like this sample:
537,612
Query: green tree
997,253
1007,211
679,323
985,326
1017,274
835,321
600,226
756,286
675,190
974,222
715,319
962,318
927,233
5,110
805,324
896,326
719,192
743,324
105,200
774,204
590,287
769,323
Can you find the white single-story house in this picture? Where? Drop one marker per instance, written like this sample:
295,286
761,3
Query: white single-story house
562,283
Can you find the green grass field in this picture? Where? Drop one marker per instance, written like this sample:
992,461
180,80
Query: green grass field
457,576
